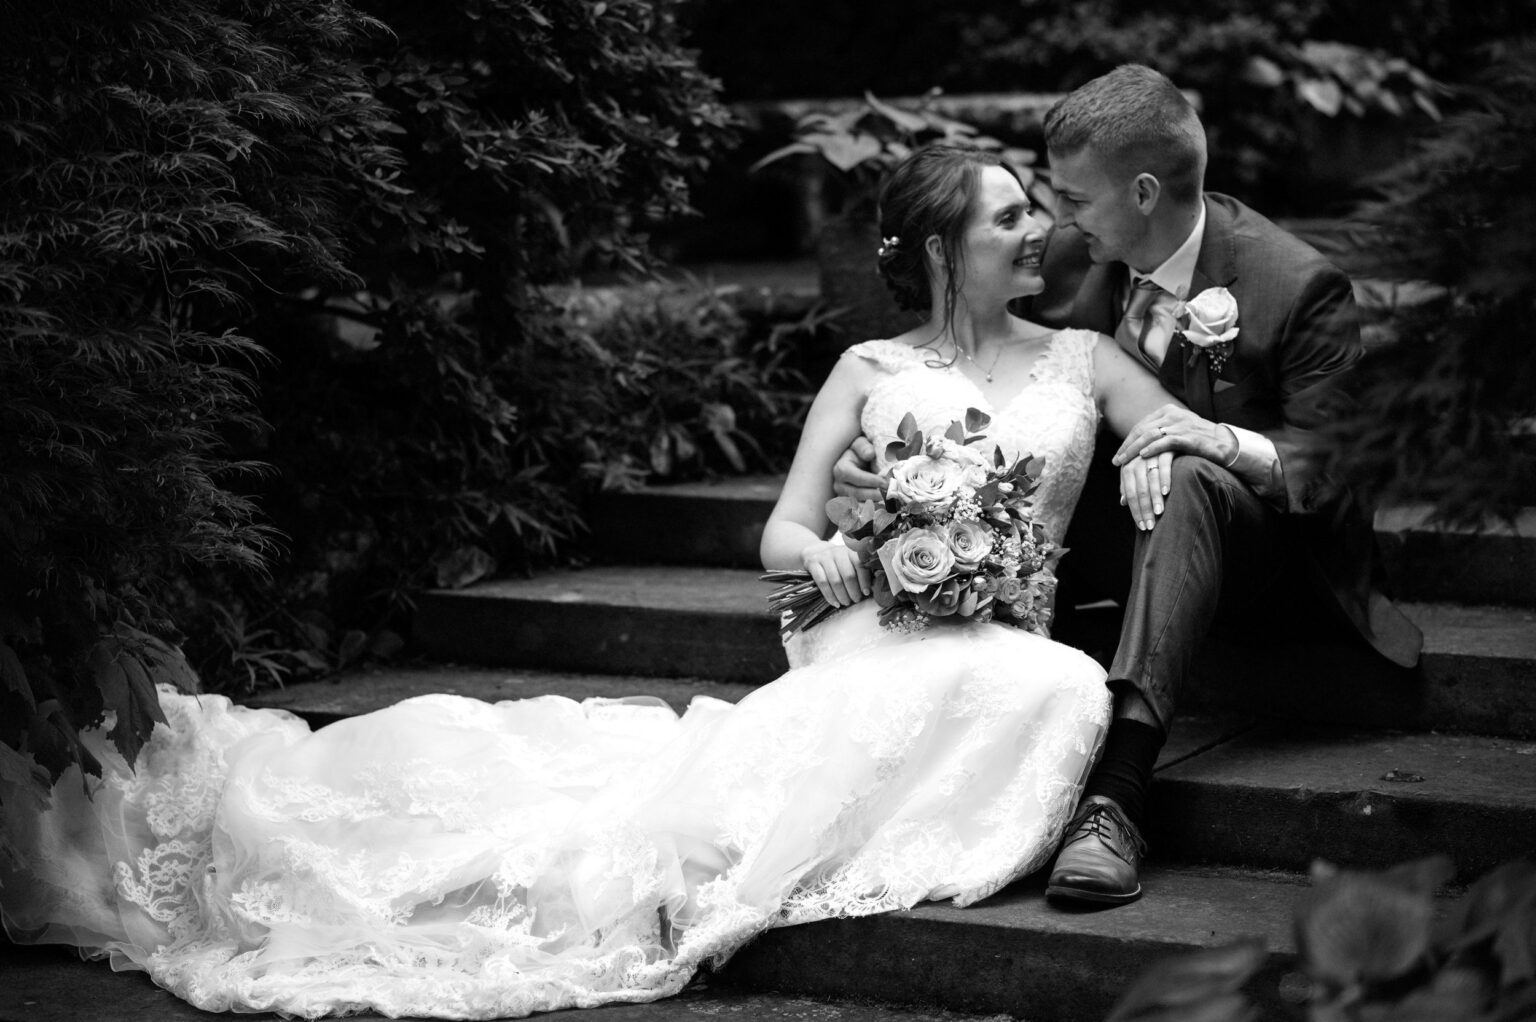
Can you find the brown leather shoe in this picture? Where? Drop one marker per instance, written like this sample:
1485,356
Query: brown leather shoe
1099,857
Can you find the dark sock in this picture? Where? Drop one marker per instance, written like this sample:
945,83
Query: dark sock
1124,772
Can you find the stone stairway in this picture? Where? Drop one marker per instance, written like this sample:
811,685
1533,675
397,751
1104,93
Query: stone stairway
1283,755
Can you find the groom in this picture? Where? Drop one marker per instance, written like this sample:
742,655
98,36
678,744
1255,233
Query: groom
1243,533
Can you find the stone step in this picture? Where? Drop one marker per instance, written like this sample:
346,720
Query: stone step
1015,954
1230,790
662,621
1279,796
718,523
1477,675
358,692
1478,672
1493,564
52,984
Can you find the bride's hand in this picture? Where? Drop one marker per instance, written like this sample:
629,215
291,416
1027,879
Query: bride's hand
837,572
1143,485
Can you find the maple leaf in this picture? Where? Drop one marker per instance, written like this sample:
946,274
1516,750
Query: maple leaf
128,692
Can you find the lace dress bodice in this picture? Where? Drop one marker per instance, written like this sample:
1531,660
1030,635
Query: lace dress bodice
1054,417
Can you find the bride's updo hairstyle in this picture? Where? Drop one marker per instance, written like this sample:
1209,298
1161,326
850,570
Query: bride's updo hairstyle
930,193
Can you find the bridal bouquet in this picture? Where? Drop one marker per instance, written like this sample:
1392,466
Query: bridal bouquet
955,537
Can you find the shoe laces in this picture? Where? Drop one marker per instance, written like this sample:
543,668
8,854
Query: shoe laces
1107,822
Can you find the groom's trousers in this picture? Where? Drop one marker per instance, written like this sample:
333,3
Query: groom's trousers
1220,556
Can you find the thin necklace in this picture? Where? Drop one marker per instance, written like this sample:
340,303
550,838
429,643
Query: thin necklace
987,371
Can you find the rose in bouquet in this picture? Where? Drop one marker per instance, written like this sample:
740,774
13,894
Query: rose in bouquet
955,537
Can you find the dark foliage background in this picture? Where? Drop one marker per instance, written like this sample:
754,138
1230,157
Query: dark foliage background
799,48
1265,139
154,195
1447,412
291,256
405,415
1388,944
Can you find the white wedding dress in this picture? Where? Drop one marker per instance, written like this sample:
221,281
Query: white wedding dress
452,858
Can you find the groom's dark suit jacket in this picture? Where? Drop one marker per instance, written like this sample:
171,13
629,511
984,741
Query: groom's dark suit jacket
1298,332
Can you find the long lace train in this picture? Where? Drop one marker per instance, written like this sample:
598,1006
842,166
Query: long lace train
457,859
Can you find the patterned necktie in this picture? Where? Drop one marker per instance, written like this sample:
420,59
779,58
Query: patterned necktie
1136,324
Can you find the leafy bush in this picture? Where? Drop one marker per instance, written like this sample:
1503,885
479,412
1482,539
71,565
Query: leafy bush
278,231
809,48
552,131
1260,132
409,425
1336,77
432,466
153,194
865,143
902,47
1256,68
1445,414
668,383
1370,950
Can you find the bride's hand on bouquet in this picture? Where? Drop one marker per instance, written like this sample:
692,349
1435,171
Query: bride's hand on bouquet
837,572
852,475
1143,485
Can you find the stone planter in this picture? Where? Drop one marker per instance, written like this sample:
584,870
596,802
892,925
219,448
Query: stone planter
845,252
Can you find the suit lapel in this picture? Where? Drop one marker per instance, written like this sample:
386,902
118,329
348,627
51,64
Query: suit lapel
1216,266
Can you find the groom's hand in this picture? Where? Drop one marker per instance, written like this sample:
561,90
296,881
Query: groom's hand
851,475
1177,430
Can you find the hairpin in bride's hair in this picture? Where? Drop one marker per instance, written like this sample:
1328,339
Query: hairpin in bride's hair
889,245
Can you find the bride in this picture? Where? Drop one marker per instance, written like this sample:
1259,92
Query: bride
452,858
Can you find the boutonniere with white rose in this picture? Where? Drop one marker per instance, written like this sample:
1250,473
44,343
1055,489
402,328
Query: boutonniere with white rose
1208,321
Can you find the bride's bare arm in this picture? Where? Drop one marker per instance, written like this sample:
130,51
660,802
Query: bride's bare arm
793,537
1127,393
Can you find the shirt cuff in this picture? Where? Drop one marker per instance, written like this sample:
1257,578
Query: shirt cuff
1257,462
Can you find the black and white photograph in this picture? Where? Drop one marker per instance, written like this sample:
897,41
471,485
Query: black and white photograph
647,510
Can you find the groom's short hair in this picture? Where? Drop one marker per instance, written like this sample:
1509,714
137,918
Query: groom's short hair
1138,122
